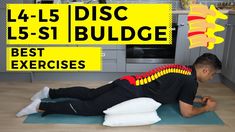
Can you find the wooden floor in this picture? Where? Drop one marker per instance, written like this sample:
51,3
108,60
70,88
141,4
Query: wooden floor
15,95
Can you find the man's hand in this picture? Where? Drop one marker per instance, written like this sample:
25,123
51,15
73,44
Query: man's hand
208,101
188,110
210,104
205,98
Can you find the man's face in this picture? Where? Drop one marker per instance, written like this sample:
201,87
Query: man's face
207,74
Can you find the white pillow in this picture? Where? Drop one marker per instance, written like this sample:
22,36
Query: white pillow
137,105
131,119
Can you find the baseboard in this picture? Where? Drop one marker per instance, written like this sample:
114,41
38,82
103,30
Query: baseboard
15,76
61,76
227,82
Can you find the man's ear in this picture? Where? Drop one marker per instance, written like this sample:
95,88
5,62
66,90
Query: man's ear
205,69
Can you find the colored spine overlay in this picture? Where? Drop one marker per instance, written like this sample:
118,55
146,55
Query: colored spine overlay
156,73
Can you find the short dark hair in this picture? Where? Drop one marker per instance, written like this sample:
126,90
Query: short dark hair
209,59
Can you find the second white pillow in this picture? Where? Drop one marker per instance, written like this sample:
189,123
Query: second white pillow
136,119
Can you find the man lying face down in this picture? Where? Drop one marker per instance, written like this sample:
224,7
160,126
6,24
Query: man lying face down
165,84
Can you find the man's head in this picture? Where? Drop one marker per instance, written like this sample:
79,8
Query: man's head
206,66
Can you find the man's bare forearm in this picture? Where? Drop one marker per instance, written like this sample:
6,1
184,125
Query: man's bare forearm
196,111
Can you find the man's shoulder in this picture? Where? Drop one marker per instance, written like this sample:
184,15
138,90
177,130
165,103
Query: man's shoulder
190,80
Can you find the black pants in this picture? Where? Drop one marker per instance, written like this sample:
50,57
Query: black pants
87,101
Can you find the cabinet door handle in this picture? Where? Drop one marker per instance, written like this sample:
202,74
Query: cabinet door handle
103,54
181,24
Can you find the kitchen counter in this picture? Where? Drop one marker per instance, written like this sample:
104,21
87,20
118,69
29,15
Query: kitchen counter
186,11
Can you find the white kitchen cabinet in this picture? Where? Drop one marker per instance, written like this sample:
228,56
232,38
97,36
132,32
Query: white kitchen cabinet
228,67
182,52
